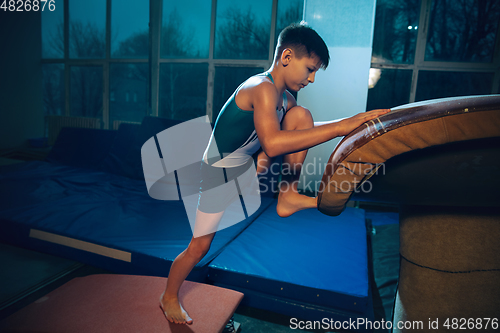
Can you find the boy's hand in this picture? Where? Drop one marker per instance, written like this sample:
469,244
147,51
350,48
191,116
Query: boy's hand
350,124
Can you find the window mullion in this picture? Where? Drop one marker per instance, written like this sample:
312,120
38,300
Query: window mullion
274,19
495,89
155,12
392,66
211,64
457,66
212,30
105,71
423,26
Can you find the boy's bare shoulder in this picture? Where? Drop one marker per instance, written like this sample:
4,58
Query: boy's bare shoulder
256,88
259,83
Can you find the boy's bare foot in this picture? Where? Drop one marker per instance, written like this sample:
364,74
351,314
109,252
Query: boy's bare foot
174,311
290,202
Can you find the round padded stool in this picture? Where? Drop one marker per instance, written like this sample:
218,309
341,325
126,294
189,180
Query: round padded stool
449,267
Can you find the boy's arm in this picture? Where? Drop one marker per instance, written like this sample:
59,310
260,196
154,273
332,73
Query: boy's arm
275,141
321,123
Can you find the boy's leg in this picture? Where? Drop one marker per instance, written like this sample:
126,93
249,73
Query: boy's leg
267,168
182,266
289,200
264,163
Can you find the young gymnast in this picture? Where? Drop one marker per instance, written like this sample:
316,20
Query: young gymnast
262,120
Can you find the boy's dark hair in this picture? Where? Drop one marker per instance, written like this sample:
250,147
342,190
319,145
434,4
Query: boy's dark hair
303,40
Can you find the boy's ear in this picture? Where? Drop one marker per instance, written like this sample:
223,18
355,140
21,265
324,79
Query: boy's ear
286,56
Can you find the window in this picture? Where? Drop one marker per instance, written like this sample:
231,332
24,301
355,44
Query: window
86,91
462,30
53,89
391,88
395,32
437,84
426,49
185,29
242,29
87,33
183,90
129,29
53,33
290,11
124,78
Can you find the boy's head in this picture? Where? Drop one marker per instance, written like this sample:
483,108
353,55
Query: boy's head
304,41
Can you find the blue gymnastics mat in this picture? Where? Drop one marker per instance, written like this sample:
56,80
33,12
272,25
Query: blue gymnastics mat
98,218
309,265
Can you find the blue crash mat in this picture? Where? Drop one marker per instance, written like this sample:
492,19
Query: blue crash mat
98,218
295,264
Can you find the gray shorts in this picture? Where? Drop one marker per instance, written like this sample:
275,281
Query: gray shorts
220,187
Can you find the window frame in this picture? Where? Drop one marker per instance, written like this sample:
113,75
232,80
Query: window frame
154,60
421,64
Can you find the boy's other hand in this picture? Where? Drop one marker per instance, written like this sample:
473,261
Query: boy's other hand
350,124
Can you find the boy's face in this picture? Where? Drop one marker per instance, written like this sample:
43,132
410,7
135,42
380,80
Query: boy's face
301,71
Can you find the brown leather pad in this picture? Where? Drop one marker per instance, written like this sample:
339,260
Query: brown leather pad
406,128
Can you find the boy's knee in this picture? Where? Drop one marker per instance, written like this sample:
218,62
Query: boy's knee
301,111
301,114
198,250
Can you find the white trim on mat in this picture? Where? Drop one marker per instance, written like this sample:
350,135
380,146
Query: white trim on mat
81,245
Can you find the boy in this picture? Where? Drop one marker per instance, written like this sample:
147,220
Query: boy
262,119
